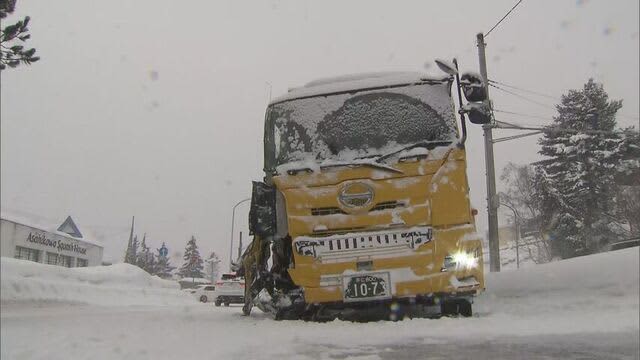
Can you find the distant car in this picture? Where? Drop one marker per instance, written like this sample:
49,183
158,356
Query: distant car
193,283
195,289
624,244
229,290
204,293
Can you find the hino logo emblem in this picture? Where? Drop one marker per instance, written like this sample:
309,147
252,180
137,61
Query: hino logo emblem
356,195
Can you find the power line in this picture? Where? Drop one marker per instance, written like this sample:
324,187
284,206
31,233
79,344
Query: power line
494,82
504,17
523,115
523,97
525,90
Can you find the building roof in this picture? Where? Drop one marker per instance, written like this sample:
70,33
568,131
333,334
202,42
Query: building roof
67,229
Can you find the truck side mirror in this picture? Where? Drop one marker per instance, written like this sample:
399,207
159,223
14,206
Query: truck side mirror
447,67
262,215
473,87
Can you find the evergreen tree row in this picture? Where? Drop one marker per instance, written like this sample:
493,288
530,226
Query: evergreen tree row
155,263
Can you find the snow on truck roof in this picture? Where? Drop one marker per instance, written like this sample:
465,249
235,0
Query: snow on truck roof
352,82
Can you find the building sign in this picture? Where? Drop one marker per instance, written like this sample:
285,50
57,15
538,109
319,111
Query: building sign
58,244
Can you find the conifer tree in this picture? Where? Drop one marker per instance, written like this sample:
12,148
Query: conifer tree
193,264
135,246
577,175
145,257
131,256
13,38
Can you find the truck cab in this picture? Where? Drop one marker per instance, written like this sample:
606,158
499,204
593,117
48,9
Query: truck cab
365,202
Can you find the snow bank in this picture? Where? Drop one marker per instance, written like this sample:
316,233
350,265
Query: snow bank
593,274
567,305
114,285
602,282
597,293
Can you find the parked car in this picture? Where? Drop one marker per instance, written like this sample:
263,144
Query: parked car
230,290
204,293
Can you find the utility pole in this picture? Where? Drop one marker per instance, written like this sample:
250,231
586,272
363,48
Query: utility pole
240,247
129,253
233,218
492,201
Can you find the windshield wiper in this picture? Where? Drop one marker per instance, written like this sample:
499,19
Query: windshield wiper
429,145
330,164
361,162
295,171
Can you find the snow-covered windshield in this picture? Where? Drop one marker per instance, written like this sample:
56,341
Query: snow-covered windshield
358,124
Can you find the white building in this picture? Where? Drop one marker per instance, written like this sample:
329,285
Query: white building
22,238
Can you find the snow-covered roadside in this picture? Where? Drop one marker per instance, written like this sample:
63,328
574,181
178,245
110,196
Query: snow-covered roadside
582,306
602,282
114,285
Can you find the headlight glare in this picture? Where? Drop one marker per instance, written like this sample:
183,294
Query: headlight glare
460,260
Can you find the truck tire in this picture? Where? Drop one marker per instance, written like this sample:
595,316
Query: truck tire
465,309
218,302
457,307
203,298
246,309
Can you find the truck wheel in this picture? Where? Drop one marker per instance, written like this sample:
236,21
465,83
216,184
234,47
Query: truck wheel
246,309
464,308
457,307
226,303
218,302
203,298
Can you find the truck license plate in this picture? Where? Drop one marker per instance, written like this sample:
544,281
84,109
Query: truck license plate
363,287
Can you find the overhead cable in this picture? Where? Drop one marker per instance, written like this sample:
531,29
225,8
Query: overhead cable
523,115
504,17
494,82
525,90
523,97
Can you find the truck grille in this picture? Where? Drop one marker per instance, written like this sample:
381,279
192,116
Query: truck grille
326,211
332,210
386,205
363,243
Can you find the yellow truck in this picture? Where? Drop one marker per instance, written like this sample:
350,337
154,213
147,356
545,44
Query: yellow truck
364,209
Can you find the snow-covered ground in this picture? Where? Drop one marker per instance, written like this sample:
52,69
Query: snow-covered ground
583,308
113,285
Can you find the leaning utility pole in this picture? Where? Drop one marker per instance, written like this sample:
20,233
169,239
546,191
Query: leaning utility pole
128,256
240,248
492,201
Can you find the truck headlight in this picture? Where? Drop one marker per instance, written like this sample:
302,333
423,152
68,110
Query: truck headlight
460,260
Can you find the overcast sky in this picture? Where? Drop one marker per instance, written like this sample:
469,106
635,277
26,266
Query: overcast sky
154,108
